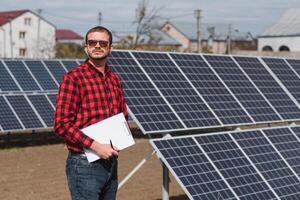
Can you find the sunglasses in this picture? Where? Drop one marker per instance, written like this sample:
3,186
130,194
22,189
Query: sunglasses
102,43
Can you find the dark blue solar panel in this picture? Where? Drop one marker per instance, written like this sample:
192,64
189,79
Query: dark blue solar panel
235,167
144,101
8,120
212,89
6,81
52,98
276,172
192,169
269,87
42,75
259,109
44,108
295,64
177,90
69,64
56,69
24,112
288,146
286,75
22,75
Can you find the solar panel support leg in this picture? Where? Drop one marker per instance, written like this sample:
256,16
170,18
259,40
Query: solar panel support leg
166,181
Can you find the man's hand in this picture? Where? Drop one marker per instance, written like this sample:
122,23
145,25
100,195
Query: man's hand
104,151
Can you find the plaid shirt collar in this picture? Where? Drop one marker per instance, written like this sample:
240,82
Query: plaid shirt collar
107,69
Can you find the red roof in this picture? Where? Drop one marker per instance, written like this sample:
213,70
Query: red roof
67,34
9,15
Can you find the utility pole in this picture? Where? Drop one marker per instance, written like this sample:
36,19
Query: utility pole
198,16
229,39
99,18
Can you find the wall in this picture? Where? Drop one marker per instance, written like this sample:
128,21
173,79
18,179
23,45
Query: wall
276,42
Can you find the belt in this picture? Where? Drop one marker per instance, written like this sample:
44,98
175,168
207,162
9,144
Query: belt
79,154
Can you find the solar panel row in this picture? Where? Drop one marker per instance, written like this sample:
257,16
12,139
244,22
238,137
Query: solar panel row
257,164
26,111
32,75
172,91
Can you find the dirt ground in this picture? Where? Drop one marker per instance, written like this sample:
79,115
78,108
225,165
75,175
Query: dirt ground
38,172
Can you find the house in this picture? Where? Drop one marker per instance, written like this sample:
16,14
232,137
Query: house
156,41
214,38
23,33
66,36
284,35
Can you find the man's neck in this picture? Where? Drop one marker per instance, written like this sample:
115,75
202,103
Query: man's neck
98,64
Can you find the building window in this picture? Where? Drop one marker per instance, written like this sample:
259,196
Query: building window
22,52
267,48
284,48
27,21
22,34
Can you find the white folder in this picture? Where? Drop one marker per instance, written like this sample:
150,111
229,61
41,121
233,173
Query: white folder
114,129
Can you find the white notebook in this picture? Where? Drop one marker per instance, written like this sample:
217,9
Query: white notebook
114,129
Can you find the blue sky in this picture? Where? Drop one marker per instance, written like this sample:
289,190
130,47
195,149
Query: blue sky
79,15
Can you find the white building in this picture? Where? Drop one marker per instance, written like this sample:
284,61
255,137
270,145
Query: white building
283,35
25,34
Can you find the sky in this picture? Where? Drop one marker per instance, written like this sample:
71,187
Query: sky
118,15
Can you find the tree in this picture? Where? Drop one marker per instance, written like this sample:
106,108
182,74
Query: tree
145,21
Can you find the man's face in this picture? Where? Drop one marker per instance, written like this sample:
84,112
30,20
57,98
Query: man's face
98,46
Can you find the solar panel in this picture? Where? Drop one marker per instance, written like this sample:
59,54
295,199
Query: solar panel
273,168
209,85
56,69
69,64
257,164
52,98
6,81
287,144
44,108
22,75
146,105
295,64
288,76
25,111
244,90
180,94
41,75
8,120
282,103
192,169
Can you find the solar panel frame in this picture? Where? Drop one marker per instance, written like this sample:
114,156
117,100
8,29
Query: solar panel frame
59,70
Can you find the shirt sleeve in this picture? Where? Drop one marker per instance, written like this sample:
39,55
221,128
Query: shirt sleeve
67,106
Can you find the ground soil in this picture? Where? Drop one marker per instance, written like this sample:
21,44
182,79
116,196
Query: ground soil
38,172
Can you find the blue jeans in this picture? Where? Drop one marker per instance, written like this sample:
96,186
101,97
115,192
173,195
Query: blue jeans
92,181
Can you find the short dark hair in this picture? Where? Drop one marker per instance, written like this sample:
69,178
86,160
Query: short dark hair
99,29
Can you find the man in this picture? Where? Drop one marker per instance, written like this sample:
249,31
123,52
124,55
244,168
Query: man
89,93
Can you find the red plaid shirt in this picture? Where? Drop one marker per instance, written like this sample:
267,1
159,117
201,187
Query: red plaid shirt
85,97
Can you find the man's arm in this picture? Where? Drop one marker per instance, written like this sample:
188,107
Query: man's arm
67,106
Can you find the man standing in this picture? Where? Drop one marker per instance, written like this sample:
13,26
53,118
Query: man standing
89,93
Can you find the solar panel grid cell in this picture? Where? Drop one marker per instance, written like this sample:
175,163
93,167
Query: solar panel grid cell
8,120
56,68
